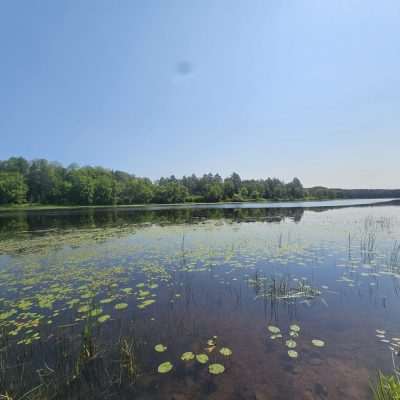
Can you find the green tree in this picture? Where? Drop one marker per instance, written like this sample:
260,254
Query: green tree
13,188
171,192
295,189
214,192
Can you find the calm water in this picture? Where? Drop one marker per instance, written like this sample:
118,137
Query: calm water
198,280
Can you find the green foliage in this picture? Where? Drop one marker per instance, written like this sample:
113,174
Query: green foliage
44,182
13,188
170,192
387,388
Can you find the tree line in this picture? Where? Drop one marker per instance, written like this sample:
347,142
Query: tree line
43,182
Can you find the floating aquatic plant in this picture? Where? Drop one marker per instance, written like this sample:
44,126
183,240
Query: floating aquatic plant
276,336
160,348
225,351
318,343
216,369
187,356
103,318
165,367
294,328
202,358
291,344
273,329
293,353
146,303
121,306
84,309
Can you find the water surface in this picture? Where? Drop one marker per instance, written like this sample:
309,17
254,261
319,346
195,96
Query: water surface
188,276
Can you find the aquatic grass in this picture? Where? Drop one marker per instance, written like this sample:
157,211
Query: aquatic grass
284,288
128,361
387,387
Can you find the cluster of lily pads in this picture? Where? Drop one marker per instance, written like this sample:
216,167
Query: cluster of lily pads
290,343
201,358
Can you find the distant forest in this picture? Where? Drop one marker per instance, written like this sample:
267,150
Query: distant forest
44,182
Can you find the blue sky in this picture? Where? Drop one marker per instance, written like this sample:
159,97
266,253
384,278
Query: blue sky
265,88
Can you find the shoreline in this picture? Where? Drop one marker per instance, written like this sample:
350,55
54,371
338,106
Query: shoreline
50,207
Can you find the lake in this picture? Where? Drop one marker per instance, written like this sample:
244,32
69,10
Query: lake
241,301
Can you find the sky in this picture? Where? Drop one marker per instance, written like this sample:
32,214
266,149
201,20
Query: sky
300,88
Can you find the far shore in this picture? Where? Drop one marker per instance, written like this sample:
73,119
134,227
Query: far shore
48,207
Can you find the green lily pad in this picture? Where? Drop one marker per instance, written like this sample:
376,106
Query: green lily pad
318,343
293,353
160,348
291,344
187,356
165,367
146,303
273,329
277,336
96,312
294,328
84,309
107,300
225,351
202,358
121,306
103,318
216,369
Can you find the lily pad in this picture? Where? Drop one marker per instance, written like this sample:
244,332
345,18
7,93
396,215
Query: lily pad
318,343
187,356
121,306
103,318
293,353
273,329
84,309
165,367
277,336
160,348
291,344
202,358
225,351
216,369
294,328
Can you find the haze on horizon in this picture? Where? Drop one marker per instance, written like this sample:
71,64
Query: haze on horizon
306,88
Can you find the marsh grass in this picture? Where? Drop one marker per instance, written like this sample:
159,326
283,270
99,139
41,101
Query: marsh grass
387,387
128,361
282,288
